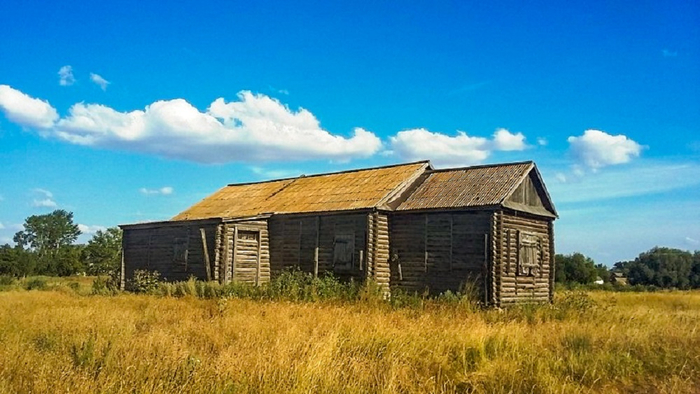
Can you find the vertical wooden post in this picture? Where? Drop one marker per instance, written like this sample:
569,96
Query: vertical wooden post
205,249
451,240
257,269
318,242
362,256
425,244
122,279
235,252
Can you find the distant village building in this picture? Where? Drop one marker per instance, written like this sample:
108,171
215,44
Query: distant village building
488,228
618,278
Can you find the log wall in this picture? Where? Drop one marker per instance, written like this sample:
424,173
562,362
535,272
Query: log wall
510,284
308,242
378,249
175,250
440,251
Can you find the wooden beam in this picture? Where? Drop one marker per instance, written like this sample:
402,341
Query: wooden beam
257,268
318,242
205,249
233,255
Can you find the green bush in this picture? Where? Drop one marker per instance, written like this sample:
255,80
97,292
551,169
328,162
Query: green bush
144,281
35,284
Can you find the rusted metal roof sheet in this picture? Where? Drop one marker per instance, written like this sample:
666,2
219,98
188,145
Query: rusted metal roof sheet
467,187
358,189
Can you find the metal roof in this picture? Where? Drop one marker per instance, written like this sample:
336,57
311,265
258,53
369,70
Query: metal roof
467,187
341,191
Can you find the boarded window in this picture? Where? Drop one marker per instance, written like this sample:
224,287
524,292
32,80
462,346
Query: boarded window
180,251
529,254
343,252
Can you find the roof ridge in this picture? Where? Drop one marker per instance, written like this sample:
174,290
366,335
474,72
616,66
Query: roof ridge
331,173
482,166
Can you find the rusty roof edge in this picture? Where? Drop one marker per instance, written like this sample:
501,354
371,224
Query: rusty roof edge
400,193
532,167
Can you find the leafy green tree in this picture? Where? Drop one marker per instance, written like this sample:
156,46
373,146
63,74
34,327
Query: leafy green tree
17,262
662,267
102,254
695,271
47,234
574,268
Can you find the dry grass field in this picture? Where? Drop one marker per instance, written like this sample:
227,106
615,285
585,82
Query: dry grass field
64,340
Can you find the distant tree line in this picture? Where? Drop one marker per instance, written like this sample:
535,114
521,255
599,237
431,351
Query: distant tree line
46,246
659,267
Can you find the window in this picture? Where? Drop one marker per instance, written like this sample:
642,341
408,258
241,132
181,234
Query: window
529,254
180,251
343,252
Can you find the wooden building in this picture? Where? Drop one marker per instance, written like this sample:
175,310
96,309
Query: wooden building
488,229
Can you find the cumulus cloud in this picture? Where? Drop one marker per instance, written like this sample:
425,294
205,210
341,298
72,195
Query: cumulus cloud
99,81
44,199
163,190
90,230
65,76
445,150
253,128
504,140
596,149
26,111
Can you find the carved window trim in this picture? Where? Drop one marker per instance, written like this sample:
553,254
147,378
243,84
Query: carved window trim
529,254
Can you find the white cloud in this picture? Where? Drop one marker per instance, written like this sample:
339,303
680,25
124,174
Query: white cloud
252,129
99,81
445,150
542,141
163,190
45,203
26,111
87,229
692,241
596,149
504,140
45,200
2,226
45,192
65,76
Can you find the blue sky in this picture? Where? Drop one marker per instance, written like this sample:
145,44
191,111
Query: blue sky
133,111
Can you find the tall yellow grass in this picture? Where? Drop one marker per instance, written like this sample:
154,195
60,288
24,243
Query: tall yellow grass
60,341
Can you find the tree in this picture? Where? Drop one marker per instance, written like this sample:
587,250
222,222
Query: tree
102,254
663,267
575,268
15,261
47,234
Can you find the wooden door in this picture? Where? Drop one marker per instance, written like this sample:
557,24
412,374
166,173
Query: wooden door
246,263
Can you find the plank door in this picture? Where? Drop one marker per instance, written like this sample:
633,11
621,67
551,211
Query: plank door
246,264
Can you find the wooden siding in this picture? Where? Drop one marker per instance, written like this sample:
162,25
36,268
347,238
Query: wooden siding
248,259
294,240
509,284
175,250
439,251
